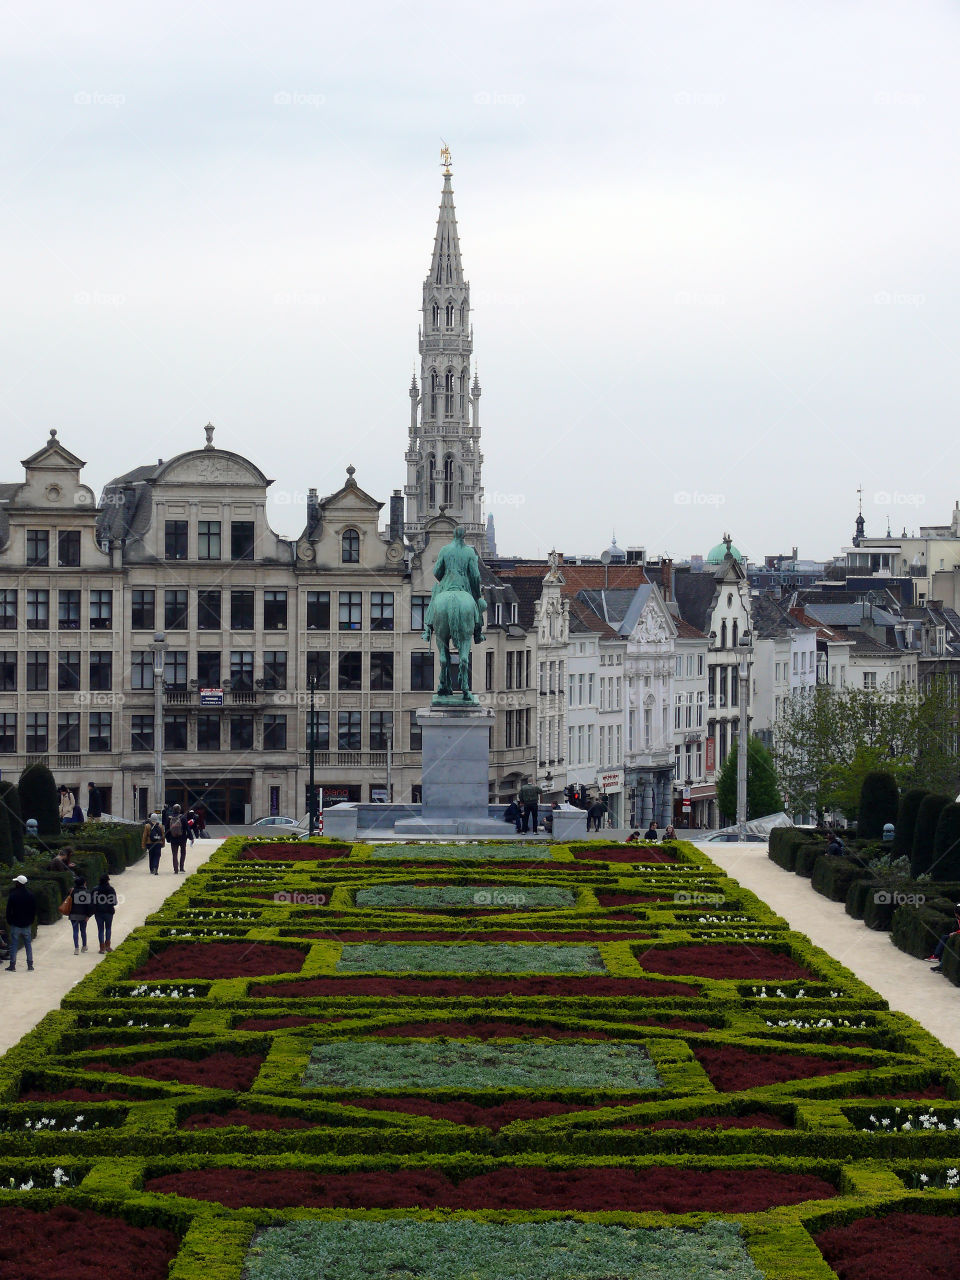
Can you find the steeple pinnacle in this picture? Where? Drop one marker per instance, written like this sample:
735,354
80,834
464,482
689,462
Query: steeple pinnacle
445,266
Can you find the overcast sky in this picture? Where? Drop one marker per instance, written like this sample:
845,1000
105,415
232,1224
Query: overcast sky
712,250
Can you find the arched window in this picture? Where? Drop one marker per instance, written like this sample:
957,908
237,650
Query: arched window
735,633
448,394
433,393
450,315
448,481
421,497
463,315
438,278
350,547
436,315
463,393
431,482
723,634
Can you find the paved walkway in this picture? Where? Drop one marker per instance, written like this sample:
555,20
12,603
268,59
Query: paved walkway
28,996
905,982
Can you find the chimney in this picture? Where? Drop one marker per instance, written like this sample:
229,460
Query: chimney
794,555
313,511
666,578
396,516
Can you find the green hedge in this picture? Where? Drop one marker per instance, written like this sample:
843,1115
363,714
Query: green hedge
906,823
928,815
879,802
833,876
917,928
786,842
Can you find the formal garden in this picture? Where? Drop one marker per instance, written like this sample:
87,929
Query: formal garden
474,1061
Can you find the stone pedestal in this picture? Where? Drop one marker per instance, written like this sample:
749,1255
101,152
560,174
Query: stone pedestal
456,771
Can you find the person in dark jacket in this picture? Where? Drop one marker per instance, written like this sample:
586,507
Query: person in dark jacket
514,814
80,913
942,941
153,839
651,831
176,832
21,913
104,908
530,795
595,814
94,802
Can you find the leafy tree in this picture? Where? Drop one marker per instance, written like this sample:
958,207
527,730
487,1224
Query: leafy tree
928,815
847,780
879,802
946,845
763,794
38,799
906,822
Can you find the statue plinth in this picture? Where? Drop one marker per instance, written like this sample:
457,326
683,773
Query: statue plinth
454,700
456,771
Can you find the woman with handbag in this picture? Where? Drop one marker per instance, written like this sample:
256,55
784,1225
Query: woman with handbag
81,909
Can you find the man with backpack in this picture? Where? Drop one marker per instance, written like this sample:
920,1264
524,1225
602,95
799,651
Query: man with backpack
153,839
177,837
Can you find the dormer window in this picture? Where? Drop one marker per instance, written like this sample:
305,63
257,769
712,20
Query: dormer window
68,547
38,547
514,615
350,547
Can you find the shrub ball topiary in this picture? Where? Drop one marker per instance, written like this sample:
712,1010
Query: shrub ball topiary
879,801
38,799
946,845
907,821
928,815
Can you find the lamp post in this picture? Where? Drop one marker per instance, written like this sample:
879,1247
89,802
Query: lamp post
159,648
745,645
312,744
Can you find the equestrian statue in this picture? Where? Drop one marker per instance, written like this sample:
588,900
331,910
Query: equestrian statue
455,614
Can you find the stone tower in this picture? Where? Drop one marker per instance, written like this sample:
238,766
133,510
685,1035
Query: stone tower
443,451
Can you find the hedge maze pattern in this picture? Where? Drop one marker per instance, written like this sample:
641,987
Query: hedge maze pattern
473,1061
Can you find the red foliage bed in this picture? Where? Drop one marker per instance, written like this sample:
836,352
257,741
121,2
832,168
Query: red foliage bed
294,852
619,853
248,1119
597,1189
724,960
481,988
221,960
755,1120
71,1095
631,899
216,1071
494,1116
731,1068
917,1246
64,1243
476,935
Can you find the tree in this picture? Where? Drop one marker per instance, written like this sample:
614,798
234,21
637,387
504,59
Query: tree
38,799
907,821
928,815
763,794
847,780
879,802
946,845
10,804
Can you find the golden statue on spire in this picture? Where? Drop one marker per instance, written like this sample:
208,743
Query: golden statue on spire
445,159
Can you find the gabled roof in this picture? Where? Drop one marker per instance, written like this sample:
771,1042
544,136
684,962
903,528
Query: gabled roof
828,634
771,621
583,619
866,646
585,577
695,594
526,593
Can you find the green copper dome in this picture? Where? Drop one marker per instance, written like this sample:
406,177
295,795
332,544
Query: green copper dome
717,553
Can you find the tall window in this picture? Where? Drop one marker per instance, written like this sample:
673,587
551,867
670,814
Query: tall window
433,393
208,732
488,669
241,540
463,394
350,547
416,733
175,540
241,610
175,669
275,669
350,671
318,610
208,668
141,669
449,315
421,671
101,671
175,732
381,670
509,680
432,472
68,547
448,481
351,610
38,733
38,609
241,733
436,315
381,730
38,547
448,394
208,539
68,671
241,670
274,732
141,732
318,668
318,730
349,730
8,671
208,609
101,610
274,611
175,610
68,610
68,731
418,612
381,610
38,670
142,609
100,734
8,609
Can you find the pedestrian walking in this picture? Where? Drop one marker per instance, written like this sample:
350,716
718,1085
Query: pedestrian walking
530,795
81,909
21,913
104,908
595,814
199,814
67,801
94,802
152,839
514,814
177,837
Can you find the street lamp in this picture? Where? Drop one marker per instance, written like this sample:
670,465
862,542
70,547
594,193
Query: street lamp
159,648
745,645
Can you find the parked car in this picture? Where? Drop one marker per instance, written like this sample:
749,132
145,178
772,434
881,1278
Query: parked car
275,821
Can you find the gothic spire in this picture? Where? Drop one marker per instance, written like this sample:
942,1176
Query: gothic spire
445,266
